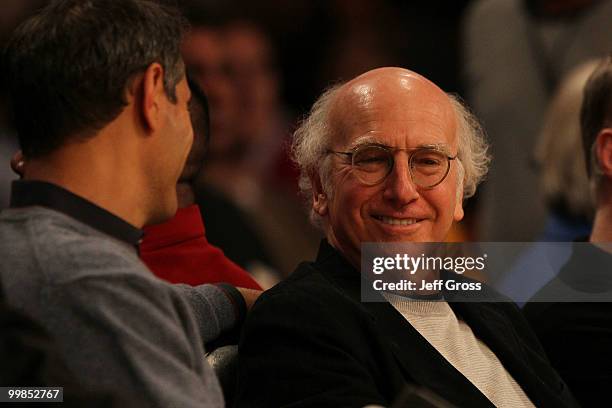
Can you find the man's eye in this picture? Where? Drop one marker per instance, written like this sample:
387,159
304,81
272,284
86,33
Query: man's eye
368,160
427,162
428,159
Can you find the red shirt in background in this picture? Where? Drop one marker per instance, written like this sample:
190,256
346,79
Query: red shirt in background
177,251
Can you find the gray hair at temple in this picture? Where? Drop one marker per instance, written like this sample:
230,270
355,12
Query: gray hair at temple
312,139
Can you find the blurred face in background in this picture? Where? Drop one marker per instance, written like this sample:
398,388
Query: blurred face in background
200,138
205,57
252,69
195,160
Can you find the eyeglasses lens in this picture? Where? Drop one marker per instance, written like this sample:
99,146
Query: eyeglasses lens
372,164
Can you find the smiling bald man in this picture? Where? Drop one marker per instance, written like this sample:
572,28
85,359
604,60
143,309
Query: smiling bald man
386,157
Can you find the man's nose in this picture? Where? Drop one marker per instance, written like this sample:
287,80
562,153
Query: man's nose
399,187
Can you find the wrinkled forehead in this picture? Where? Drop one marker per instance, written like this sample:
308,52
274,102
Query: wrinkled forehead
396,110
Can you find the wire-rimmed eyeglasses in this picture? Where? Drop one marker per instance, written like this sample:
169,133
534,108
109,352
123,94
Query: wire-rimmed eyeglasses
372,163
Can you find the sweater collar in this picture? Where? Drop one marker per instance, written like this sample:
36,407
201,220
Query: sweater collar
26,193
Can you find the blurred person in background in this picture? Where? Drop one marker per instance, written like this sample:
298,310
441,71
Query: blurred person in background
263,124
231,228
572,314
515,53
265,179
204,54
562,172
232,59
564,189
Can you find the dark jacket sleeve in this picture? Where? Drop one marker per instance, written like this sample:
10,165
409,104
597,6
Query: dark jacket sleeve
296,351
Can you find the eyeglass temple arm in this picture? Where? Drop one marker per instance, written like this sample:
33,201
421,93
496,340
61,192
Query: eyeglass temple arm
349,154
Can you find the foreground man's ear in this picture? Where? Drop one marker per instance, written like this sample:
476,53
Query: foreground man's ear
153,96
603,151
18,163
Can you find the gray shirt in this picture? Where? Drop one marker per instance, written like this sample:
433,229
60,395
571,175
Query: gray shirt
117,326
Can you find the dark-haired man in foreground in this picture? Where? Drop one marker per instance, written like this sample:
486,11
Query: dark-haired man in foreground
101,109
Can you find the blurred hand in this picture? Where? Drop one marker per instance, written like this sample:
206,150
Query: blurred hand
250,296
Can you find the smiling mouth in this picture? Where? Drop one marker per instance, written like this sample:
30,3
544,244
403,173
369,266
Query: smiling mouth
396,221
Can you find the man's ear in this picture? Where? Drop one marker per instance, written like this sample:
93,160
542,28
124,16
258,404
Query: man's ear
319,198
18,163
603,151
458,212
153,96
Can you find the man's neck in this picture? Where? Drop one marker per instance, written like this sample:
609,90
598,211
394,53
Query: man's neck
602,225
95,175
185,194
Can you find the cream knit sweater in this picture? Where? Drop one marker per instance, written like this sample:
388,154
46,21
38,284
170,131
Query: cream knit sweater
454,339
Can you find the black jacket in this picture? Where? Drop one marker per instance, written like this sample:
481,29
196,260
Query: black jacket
577,334
311,342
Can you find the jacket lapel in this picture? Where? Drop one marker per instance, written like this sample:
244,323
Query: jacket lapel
528,367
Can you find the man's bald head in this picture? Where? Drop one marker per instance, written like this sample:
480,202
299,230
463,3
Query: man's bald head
393,80
336,109
391,90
